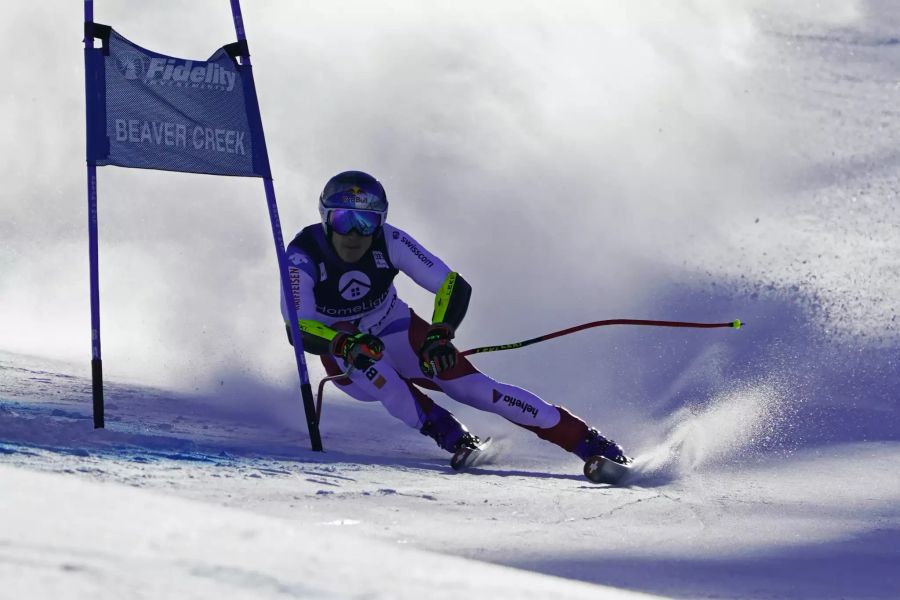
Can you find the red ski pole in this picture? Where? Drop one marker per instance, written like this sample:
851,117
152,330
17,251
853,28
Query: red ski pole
736,324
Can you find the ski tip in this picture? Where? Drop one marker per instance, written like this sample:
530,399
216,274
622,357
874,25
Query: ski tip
737,323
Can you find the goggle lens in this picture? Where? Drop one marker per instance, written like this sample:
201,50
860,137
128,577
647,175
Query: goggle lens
345,220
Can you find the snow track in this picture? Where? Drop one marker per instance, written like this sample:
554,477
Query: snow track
241,508
68,538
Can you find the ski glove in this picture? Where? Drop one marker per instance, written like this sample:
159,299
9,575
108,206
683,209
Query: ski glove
362,350
437,354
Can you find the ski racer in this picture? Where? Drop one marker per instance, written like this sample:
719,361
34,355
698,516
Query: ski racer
341,273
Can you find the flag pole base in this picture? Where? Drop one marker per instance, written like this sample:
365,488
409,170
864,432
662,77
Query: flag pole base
97,380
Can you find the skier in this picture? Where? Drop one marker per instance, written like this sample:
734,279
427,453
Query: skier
341,276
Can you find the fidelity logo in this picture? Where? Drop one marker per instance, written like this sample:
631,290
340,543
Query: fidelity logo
132,65
171,71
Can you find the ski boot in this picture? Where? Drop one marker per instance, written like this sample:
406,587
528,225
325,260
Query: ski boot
605,461
452,436
444,429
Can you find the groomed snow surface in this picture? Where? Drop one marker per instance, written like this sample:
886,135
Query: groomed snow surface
178,499
767,458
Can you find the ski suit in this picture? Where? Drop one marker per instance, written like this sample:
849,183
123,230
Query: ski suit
331,295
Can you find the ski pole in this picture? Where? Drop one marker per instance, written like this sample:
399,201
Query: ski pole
736,324
322,388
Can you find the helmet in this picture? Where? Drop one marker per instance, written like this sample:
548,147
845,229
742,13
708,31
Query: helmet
353,199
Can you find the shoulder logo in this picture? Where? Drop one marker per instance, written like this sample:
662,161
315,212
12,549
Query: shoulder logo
298,259
396,235
354,285
415,250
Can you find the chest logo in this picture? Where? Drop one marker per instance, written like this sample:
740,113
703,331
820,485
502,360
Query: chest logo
354,285
379,260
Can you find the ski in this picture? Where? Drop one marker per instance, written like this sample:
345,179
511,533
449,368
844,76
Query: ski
465,458
599,469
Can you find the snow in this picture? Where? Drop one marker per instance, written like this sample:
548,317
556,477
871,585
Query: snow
226,503
715,161
66,537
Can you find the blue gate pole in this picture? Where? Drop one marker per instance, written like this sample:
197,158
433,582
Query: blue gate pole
312,419
93,252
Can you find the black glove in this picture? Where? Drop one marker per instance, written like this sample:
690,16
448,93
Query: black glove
437,354
362,350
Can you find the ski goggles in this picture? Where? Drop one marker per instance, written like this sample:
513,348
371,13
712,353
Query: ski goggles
345,220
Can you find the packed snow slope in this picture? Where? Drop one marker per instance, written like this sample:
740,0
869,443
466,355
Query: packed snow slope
117,542
694,161
706,518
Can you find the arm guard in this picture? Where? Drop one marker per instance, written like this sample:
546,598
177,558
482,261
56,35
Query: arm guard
452,301
316,336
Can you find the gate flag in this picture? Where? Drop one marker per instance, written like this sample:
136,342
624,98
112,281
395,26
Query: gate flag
151,111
